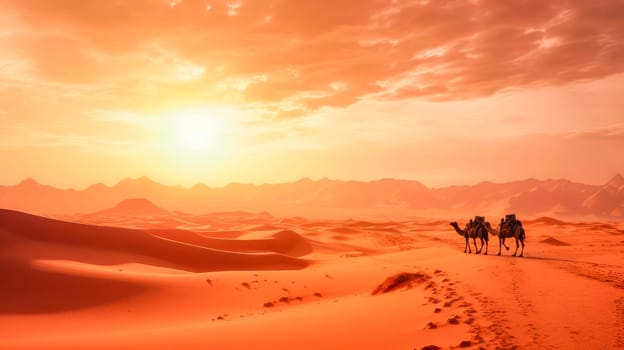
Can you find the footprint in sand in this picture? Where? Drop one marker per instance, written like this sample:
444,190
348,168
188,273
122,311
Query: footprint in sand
465,344
430,347
454,320
431,325
619,309
433,300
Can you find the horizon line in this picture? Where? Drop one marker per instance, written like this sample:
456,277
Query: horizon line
147,178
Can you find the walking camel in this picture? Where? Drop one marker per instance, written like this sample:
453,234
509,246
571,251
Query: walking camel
474,232
507,231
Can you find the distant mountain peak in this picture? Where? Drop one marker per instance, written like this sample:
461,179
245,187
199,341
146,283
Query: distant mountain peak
98,186
29,182
135,207
140,181
616,181
137,201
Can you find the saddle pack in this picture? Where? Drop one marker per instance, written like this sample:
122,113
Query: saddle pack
511,221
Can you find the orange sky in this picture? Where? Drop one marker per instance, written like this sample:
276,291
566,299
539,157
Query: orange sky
185,91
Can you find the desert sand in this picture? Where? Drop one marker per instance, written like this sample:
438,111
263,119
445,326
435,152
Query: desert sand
237,280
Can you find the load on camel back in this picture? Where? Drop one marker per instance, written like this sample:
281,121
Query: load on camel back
511,221
508,227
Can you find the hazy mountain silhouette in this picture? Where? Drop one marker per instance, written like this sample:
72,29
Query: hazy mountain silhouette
609,199
134,207
401,197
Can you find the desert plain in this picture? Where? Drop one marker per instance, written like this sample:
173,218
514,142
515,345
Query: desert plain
139,277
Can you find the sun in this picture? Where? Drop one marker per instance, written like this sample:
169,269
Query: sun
197,130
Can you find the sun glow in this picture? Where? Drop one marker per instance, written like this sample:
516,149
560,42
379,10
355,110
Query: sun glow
198,130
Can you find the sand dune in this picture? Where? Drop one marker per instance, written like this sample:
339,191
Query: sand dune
29,290
138,243
262,282
554,241
546,220
285,242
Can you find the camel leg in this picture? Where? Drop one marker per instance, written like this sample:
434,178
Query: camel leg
504,245
522,251
486,246
481,248
474,240
515,251
500,240
467,245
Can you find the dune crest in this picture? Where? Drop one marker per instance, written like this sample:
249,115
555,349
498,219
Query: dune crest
554,241
138,244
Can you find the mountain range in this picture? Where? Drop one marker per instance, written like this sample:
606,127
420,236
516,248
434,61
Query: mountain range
386,197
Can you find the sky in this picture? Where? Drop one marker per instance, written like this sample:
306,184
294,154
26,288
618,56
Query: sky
186,91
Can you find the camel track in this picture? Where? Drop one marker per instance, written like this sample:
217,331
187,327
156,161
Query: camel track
495,335
525,304
525,307
619,310
514,322
492,331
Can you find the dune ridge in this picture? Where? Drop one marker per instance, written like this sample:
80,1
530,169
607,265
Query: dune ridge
177,254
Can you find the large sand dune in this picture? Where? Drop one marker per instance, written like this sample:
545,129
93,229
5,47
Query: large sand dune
248,280
137,244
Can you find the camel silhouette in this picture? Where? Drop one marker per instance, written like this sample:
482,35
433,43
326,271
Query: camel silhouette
474,232
507,231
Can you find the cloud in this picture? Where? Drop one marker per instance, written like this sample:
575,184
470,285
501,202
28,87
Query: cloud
169,53
614,132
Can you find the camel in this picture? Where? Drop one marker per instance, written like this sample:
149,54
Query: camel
473,232
505,231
